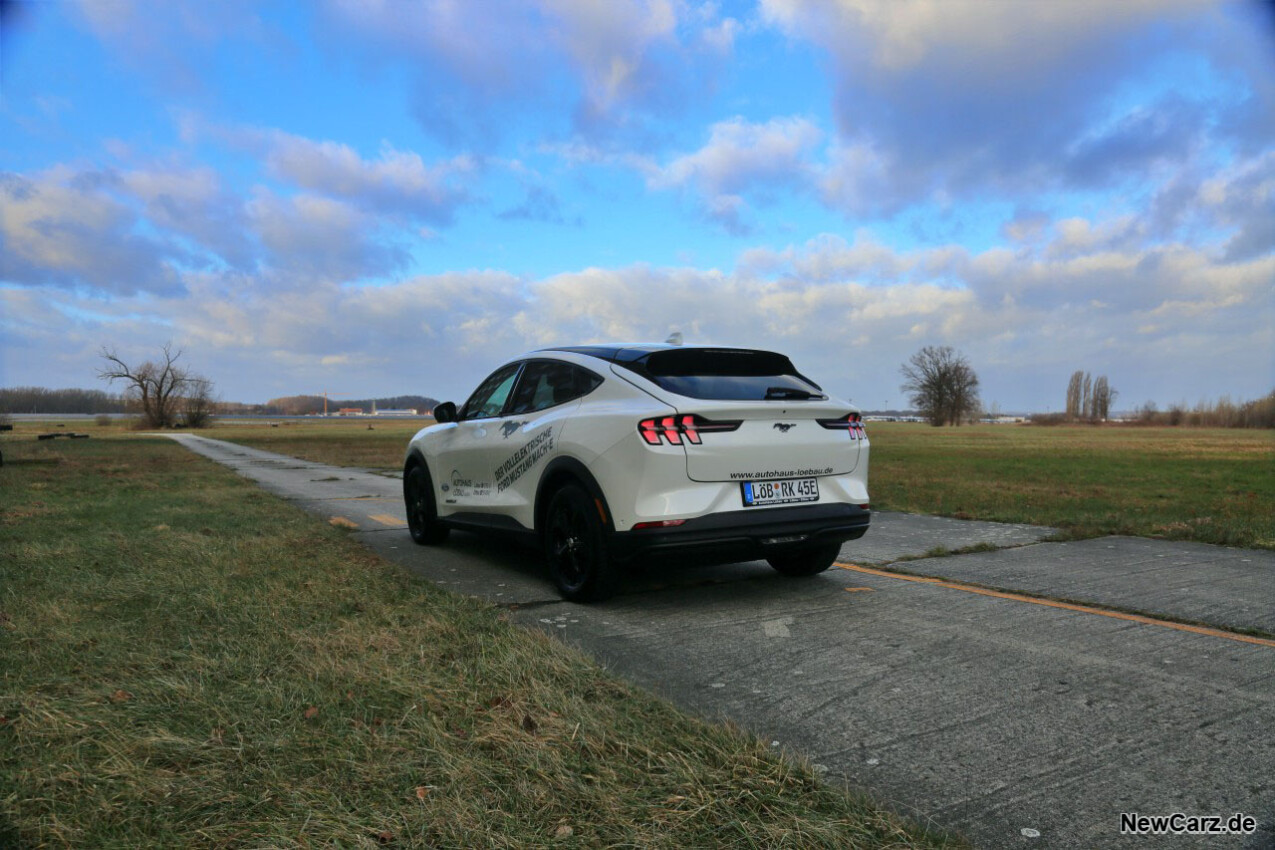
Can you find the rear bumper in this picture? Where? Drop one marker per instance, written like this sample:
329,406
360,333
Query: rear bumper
746,534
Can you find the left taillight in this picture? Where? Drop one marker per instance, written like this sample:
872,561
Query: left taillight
851,422
681,427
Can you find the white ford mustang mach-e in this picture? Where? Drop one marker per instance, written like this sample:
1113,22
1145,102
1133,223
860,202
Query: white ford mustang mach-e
604,454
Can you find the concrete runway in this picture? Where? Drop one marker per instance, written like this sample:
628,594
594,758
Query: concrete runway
968,703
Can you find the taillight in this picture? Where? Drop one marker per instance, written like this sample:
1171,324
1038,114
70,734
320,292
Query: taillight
851,423
673,428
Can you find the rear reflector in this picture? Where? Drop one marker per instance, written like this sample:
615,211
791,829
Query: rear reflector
662,523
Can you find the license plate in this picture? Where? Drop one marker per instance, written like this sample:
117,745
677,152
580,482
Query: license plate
780,492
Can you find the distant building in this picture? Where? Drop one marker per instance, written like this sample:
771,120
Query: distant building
405,412
350,411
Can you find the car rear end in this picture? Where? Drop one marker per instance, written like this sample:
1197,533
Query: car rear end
738,456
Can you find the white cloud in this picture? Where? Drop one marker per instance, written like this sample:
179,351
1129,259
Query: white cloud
742,156
481,63
170,43
611,44
63,228
970,34
396,182
973,99
319,236
741,153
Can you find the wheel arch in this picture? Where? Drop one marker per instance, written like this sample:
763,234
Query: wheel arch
568,470
414,458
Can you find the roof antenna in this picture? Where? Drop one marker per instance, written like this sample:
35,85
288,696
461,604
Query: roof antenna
675,338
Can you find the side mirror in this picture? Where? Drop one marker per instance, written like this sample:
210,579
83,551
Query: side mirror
445,412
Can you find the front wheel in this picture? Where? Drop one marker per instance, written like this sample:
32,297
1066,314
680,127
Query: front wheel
806,562
575,547
422,515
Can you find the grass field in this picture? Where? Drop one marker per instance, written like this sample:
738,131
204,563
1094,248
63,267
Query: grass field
377,444
1205,485
186,661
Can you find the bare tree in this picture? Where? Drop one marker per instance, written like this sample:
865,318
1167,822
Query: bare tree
166,393
1089,398
942,385
1073,394
198,404
1103,397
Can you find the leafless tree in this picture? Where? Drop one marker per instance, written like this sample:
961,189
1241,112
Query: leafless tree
167,394
1073,394
1089,398
1103,397
941,385
198,403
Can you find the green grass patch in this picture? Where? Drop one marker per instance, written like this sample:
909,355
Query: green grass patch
186,661
1198,484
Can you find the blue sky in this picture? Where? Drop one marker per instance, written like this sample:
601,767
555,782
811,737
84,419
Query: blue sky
386,197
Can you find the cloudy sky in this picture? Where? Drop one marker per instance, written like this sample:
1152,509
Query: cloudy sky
374,197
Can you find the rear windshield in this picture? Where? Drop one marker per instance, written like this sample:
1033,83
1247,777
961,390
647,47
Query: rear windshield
728,374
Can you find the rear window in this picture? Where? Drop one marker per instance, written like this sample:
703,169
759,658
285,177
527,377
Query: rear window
726,374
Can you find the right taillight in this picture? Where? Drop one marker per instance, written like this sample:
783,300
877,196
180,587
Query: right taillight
673,429
852,423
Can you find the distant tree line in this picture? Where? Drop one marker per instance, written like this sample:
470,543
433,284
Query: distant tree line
306,405
1224,413
42,400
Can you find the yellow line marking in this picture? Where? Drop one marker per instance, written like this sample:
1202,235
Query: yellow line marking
858,590
1068,606
386,519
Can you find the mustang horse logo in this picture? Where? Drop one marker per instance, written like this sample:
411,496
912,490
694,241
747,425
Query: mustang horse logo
785,427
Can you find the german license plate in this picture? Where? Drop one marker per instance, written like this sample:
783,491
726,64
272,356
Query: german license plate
780,492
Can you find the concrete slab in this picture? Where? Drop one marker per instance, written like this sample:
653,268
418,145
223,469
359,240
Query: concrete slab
985,715
1231,588
896,535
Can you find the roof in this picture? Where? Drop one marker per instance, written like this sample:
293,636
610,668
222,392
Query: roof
621,352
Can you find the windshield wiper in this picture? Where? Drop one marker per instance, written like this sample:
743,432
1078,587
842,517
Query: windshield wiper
778,393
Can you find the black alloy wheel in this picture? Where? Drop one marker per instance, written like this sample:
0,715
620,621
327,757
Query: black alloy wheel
575,547
422,515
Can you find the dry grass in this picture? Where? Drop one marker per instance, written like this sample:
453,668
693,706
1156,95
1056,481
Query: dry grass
359,442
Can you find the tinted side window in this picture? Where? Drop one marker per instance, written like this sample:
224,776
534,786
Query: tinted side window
489,399
547,383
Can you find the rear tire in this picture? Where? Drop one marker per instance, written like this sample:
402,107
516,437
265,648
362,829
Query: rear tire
576,547
422,513
806,562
